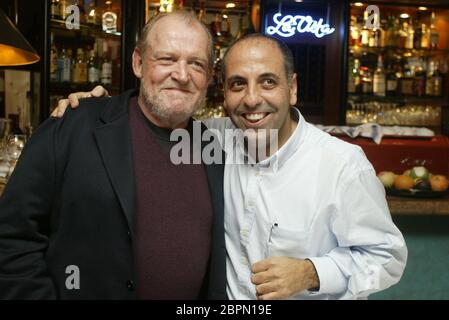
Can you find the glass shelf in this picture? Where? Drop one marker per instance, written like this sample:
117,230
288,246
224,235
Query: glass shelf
355,50
398,99
91,31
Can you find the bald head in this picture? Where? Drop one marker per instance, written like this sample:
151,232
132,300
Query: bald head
286,54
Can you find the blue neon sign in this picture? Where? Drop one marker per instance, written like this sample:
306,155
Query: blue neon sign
288,25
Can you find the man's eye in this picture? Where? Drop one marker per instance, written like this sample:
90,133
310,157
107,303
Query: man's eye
237,84
269,82
166,59
198,64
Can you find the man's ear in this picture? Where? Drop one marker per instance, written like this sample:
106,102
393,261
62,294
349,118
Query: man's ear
293,90
137,63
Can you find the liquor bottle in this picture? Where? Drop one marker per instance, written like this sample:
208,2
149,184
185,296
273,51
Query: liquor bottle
55,10
354,77
239,33
366,80
375,38
248,26
417,39
106,67
379,78
202,13
425,36
64,67
403,35
392,81
437,81
410,36
92,14
226,28
53,59
354,39
406,82
433,33
109,18
388,32
93,68
63,4
80,69
365,30
215,28
420,79
429,82
180,5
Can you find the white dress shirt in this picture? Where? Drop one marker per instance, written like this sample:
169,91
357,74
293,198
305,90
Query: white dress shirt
318,197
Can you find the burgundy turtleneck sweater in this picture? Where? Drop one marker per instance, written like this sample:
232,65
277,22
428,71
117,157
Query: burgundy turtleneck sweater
173,216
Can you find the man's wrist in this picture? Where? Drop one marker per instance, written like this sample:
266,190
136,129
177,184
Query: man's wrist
313,281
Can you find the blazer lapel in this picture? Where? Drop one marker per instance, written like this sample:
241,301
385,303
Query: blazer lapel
113,136
217,271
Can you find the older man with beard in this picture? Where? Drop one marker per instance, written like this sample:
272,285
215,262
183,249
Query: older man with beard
96,210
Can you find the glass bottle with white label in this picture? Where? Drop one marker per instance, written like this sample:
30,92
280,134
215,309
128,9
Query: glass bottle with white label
379,78
109,18
106,67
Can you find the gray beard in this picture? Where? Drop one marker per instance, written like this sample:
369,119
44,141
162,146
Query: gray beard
158,110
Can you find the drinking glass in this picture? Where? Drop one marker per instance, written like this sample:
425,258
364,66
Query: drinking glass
14,146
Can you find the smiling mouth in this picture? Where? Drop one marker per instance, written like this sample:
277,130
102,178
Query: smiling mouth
254,118
178,90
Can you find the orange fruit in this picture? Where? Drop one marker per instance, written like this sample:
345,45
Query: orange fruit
403,182
439,182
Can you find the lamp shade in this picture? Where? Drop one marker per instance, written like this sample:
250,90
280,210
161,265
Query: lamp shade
15,50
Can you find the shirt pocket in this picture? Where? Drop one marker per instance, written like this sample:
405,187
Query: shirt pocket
288,242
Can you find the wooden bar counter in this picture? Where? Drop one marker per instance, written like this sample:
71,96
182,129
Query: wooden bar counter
412,206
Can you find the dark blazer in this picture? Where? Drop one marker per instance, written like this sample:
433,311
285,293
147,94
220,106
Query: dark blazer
70,201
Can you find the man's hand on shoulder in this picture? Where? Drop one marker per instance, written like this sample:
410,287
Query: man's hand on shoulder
283,277
73,100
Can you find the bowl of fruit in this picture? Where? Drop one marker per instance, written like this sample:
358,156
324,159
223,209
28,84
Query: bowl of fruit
416,182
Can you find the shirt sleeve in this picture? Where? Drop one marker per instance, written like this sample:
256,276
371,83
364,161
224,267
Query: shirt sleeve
371,252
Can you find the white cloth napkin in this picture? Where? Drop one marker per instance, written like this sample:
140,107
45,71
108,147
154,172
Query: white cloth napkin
376,131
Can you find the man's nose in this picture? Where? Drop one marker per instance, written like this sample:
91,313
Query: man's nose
252,97
181,73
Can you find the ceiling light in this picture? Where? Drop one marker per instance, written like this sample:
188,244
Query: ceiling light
15,50
422,8
230,5
404,16
358,4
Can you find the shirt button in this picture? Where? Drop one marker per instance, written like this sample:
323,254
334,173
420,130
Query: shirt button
130,285
245,261
244,232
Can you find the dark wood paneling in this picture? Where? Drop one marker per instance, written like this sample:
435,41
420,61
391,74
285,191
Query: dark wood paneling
134,20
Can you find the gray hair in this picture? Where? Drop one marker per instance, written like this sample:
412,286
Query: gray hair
287,55
187,17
